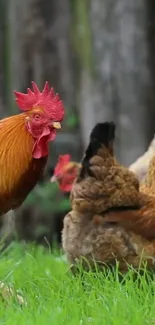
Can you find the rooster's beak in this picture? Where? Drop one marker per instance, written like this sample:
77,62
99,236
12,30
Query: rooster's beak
53,179
56,125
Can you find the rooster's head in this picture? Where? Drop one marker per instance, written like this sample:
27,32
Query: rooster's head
43,113
65,172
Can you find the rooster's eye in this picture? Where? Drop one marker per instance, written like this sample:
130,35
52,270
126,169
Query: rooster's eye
37,117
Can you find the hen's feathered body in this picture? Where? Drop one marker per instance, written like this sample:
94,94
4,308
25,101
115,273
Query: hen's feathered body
111,220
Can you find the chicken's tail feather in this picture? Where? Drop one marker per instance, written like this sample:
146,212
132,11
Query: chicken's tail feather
103,134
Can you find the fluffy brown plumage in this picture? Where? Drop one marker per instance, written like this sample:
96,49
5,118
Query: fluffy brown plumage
148,185
110,218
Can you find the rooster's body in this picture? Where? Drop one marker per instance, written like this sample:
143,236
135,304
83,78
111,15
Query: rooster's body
24,144
19,170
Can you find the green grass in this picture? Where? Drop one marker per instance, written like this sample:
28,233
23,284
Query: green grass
55,297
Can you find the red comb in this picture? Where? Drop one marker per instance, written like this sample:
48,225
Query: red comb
62,161
47,99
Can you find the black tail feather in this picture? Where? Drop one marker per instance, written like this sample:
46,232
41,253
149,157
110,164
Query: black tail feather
102,134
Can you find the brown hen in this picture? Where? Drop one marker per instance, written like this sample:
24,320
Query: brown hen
111,220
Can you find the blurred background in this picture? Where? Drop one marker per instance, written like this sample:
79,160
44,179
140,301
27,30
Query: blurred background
100,56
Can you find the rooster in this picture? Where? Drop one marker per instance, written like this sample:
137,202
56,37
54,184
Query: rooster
65,173
24,142
111,219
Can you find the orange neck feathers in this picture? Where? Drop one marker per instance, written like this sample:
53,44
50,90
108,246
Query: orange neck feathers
15,150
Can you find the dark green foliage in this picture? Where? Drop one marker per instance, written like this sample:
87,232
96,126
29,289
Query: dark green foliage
48,198
72,120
